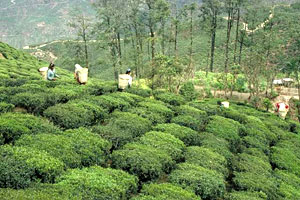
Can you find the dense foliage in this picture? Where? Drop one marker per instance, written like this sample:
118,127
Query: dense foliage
60,140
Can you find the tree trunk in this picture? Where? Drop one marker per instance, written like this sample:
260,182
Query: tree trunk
241,46
191,43
213,40
237,33
229,26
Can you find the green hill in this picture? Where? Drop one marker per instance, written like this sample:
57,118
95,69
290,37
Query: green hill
61,140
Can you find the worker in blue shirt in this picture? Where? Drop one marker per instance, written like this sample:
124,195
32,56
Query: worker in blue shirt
51,74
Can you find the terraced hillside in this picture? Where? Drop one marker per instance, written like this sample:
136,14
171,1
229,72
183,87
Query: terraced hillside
60,140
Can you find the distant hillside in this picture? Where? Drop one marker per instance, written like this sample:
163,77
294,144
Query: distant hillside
25,22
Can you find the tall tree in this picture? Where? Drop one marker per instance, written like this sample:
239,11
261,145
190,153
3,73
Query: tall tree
82,24
212,9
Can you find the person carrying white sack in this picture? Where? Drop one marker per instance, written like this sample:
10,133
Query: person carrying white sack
81,74
125,80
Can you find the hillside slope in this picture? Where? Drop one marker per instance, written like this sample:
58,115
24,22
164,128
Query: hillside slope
25,22
92,142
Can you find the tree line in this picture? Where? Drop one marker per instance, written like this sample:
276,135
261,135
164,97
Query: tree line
167,41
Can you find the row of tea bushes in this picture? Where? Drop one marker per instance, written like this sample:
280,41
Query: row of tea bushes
43,157
87,183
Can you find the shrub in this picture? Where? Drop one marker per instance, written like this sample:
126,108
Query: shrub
158,108
246,195
285,158
34,103
146,162
193,112
13,125
210,109
14,173
6,107
139,91
170,98
110,103
249,163
169,191
256,182
188,91
185,134
216,144
289,184
99,183
60,95
225,128
206,183
256,128
130,98
207,159
75,114
188,121
103,88
38,192
44,166
155,118
164,142
122,128
235,115
92,149
58,146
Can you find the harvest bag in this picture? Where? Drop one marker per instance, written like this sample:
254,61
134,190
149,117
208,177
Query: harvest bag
123,80
43,71
83,75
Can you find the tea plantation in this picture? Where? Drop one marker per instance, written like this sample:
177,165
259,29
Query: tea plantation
60,140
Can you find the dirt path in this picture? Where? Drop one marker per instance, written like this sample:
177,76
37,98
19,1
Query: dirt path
263,24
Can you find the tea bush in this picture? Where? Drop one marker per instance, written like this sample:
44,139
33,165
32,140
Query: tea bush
188,121
122,128
169,191
289,184
34,103
170,98
58,146
75,114
216,144
38,192
13,125
207,159
99,183
246,195
155,118
256,182
6,107
164,142
206,183
139,91
188,91
144,161
130,98
44,167
14,173
93,150
110,103
225,128
249,163
185,134
256,128
210,109
286,158
199,115
158,109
